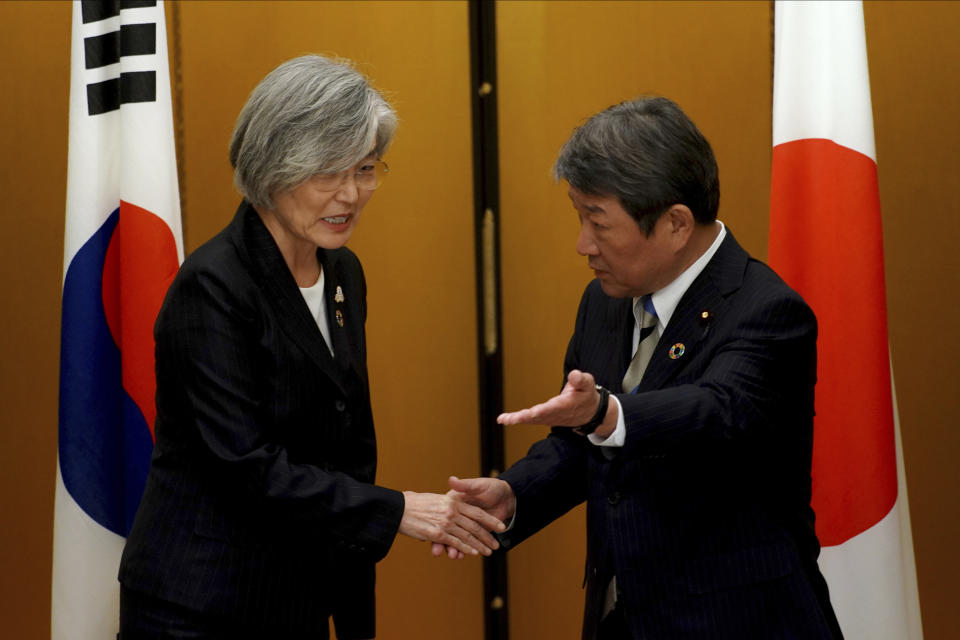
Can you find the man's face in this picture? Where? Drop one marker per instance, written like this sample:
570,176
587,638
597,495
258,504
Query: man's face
627,262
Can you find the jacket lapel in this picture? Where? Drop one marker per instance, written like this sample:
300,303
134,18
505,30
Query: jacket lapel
343,313
622,325
280,289
696,313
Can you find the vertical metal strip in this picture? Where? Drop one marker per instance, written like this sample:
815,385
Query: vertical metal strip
490,310
178,128
773,51
486,189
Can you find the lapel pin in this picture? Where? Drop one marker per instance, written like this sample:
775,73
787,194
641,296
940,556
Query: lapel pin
706,319
339,318
676,351
338,297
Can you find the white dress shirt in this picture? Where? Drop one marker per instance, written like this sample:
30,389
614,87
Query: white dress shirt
318,307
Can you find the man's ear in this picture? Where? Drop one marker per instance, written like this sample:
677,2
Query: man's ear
681,225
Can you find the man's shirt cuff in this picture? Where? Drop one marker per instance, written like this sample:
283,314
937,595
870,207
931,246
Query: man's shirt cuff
619,434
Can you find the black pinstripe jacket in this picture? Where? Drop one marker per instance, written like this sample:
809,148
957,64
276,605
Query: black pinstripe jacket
704,515
259,505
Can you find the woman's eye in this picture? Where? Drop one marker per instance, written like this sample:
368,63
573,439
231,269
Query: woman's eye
326,180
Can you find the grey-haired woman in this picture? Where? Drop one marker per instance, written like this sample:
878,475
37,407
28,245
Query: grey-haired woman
260,516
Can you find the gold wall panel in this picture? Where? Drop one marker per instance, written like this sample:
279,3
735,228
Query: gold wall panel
914,61
559,62
415,241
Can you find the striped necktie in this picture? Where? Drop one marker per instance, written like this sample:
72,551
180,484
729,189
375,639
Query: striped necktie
646,317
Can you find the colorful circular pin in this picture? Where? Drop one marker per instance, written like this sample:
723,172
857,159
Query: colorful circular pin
676,351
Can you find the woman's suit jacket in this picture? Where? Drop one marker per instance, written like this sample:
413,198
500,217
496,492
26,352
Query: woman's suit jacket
704,514
260,504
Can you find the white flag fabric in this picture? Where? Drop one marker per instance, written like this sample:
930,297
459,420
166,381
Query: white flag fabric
826,241
122,248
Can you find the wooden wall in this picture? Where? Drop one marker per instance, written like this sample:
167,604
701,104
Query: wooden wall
558,63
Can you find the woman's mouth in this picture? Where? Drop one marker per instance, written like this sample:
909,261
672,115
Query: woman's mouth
337,221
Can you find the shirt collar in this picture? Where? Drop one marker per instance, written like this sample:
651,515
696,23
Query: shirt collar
665,300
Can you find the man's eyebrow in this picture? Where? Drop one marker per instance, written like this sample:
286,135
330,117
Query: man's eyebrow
594,208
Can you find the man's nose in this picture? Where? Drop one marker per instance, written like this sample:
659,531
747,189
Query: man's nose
586,246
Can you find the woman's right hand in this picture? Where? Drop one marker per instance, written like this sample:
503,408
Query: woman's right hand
447,520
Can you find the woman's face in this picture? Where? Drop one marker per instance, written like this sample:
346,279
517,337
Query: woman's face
323,210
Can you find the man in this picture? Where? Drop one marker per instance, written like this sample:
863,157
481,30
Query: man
688,403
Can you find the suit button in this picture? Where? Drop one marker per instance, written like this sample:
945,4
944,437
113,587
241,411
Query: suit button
614,497
340,405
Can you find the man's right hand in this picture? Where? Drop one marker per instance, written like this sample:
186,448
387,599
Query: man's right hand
448,521
490,494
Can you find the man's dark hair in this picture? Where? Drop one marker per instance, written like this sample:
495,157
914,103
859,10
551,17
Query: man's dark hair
648,154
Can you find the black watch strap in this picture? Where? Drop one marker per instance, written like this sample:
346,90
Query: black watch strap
594,422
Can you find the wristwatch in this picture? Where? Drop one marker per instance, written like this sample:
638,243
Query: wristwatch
594,422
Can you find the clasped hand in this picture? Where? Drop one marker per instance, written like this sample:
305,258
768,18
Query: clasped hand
575,405
448,521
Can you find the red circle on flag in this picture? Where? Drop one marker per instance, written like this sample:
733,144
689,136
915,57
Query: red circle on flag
139,266
826,241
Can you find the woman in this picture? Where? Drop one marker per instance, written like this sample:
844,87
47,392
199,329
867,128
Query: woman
260,517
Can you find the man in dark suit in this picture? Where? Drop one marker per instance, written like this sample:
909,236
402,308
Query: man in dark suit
688,400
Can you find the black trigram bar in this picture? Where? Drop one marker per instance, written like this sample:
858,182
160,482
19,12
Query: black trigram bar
96,10
131,40
135,86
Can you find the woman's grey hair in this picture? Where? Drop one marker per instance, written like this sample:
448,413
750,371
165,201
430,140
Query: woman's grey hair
309,115
648,154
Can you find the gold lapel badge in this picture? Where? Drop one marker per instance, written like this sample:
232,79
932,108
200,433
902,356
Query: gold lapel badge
339,318
338,297
676,351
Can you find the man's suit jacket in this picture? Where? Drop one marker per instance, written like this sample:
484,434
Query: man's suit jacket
704,514
259,505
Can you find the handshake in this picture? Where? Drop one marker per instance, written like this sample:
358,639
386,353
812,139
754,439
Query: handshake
463,521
